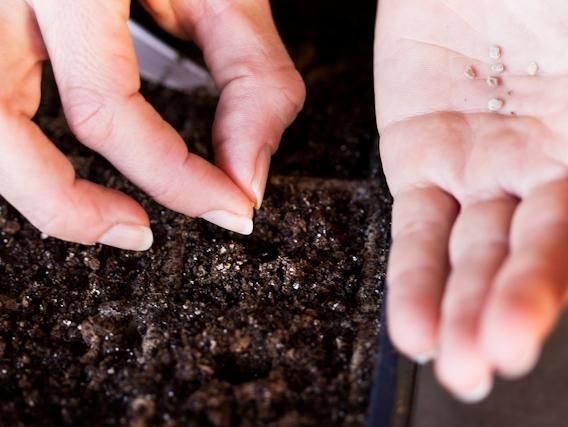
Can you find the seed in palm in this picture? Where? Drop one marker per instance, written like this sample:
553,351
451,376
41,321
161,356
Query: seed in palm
469,72
494,52
497,68
495,104
492,81
532,69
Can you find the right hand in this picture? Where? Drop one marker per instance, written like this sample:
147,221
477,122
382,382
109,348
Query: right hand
95,67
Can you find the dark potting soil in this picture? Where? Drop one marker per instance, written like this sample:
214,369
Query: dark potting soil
210,328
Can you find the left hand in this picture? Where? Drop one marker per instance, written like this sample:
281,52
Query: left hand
478,271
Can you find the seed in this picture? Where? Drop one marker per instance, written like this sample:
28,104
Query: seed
494,52
469,72
497,68
492,81
532,69
495,104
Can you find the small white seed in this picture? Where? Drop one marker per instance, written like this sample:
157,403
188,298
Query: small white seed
497,68
532,69
495,104
492,81
494,52
469,72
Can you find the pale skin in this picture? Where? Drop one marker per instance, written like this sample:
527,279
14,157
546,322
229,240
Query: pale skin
477,273
478,270
94,63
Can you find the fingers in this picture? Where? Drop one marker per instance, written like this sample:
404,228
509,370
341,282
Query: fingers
418,268
478,246
95,68
261,91
529,290
40,182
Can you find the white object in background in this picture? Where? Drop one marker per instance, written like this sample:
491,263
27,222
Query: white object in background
160,63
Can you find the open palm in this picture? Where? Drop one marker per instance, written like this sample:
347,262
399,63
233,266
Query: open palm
479,264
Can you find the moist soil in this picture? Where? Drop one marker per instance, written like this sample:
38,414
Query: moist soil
209,328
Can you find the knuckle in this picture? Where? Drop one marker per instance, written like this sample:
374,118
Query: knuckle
284,96
167,191
68,216
90,116
170,190
296,93
289,93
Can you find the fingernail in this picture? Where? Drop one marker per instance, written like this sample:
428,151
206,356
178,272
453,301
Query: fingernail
424,358
524,364
262,166
230,221
478,393
128,236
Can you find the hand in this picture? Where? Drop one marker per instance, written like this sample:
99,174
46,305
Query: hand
479,264
94,63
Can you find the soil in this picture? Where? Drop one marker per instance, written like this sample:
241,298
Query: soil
210,328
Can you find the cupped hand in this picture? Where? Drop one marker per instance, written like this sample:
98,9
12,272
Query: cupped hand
478,271
91,52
